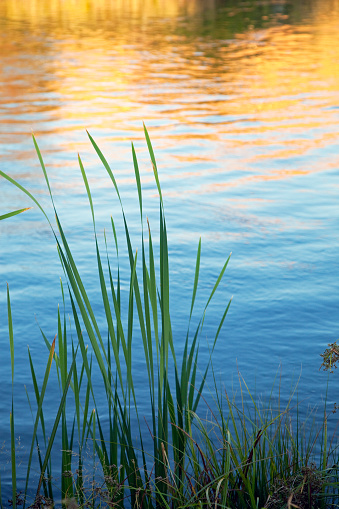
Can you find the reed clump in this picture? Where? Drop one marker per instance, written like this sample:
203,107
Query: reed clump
238,457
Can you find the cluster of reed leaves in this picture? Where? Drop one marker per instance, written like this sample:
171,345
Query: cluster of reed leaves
230,460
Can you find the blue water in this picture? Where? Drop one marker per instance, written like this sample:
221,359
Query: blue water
242,107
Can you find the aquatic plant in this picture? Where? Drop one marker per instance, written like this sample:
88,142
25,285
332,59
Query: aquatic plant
232,459
171,408
14,213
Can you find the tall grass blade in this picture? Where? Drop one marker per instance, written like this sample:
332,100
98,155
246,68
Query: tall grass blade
11,343
39,411
196,277
13,460
154,164
137,178
56,423
14,213
27,193
10,331
105,163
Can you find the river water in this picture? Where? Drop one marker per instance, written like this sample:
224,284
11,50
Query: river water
241,100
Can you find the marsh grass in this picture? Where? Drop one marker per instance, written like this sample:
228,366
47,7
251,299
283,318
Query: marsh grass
14,213
234,458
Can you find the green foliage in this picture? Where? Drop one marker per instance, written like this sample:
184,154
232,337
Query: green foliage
11,214
330,357
231,460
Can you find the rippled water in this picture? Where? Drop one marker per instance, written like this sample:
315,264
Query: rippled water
242,105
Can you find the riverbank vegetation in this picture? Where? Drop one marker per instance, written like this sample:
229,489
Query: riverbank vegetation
209,449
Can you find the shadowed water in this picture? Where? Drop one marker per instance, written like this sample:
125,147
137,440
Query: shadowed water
241,100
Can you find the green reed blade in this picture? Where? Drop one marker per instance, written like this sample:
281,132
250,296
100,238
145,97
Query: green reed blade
76,389
115,237
116,302
16,184
55,424
83,348
86,406
195,404
47,343
14,213
119,408
13,461
152,288
78,287
164,284
42,164
221,324
10,331
147,337
39,410
136,287
196,276
130,385
217,281
137,178
62,352
37,395
70,265
66,482
324,448
87,317
102,449
11,345
105,163
84,176
109,318
154,164
140,311
188,359
149,346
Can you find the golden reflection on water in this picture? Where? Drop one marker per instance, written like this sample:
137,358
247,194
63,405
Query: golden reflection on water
266,93
36,11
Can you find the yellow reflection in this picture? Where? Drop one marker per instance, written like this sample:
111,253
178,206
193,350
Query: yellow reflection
265,94
36,10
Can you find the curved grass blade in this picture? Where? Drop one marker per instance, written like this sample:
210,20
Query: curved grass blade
84,176
217,282
105,163
137,178
14,213
154,164
196,277
42,164
27,193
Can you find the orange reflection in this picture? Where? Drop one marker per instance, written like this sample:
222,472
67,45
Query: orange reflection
263,94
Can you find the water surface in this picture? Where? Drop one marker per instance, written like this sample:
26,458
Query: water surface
241,100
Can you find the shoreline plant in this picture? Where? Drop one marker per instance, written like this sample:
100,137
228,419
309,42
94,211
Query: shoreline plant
233,459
